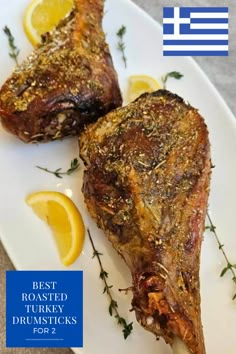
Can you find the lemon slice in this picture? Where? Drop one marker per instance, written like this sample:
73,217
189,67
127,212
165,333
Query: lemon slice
64,220
139,84
42,16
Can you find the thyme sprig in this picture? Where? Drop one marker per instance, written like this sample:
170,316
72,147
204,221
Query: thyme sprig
14,51
174,74
229,266
113,306
58,173
121,45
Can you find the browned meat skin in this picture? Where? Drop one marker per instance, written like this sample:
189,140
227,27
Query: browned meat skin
68,81
146,183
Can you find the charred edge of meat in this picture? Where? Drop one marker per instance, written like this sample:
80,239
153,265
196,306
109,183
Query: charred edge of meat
67,118
165,94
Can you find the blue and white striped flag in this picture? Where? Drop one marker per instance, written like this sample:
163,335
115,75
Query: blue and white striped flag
195,31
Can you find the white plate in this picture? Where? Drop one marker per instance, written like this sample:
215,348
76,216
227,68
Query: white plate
28,241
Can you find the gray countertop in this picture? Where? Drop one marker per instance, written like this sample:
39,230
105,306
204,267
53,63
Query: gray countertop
222,73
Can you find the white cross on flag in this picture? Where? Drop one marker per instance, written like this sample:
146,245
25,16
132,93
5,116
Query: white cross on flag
195,31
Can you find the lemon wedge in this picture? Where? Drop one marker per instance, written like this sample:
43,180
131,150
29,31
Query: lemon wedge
42,16
64,219
139,84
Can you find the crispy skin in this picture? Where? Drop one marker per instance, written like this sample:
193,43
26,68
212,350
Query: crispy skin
68,80
146,183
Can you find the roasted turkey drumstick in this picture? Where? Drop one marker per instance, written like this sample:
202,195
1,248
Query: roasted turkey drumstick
146,183
66,82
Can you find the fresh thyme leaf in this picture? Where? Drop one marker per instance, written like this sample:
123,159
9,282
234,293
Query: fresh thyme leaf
174,74
229,266
96,253
105,288
127,329
73,166
14,51
103,274
224,271
110,310
211,228
121,320
121,45
113,306
121,31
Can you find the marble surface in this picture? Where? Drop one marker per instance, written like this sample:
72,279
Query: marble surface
222,73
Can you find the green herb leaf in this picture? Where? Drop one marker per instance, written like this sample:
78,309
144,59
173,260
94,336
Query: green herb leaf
174,74
113,305
213,228
121,320
14,51
103,274
224,271
121,45
74,165
96,253
128,329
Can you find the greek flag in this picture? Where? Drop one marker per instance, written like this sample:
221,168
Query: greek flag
195,31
